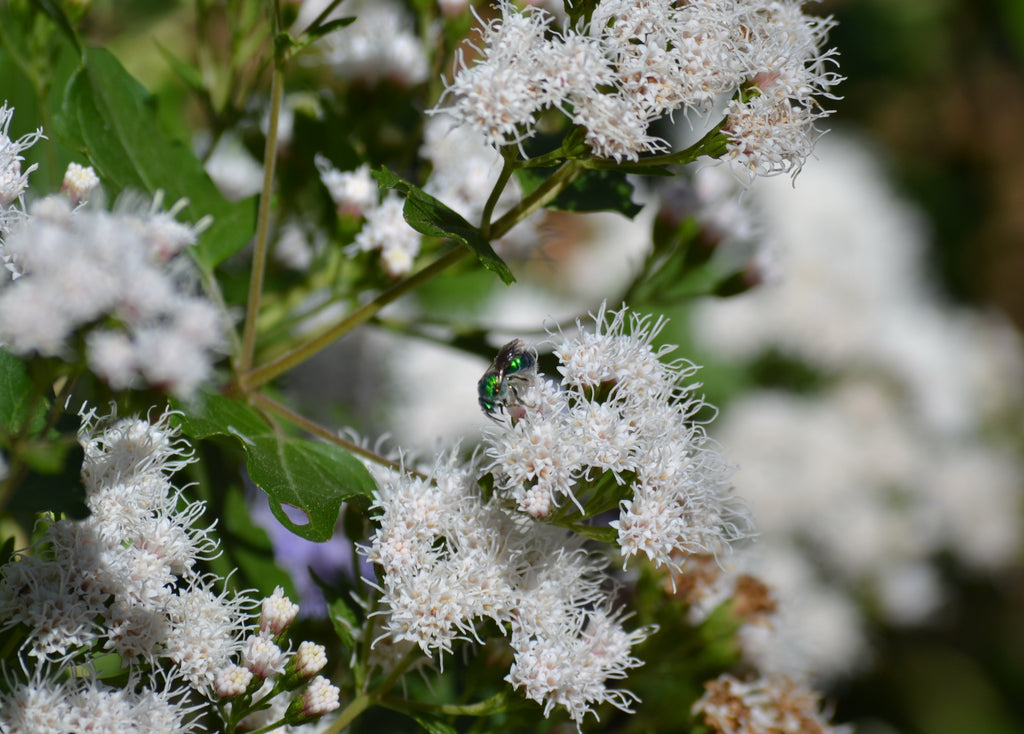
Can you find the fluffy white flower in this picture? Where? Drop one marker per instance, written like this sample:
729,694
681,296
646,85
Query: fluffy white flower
262,656
125,576
623,413
386,230
13,181
79,182
231,681
380,45
75,267
451,560
310,659
320,697
636,61
353,192
278,612
81,703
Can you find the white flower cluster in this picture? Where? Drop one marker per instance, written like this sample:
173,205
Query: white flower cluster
788,626
124,579
380,45
463,172
384,228
621,421
620,429
13,181
121,278
637,61
908,453
464,169
451,560
279,671
901,499
81,702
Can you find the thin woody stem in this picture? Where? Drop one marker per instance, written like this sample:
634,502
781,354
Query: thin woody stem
259,258
265,373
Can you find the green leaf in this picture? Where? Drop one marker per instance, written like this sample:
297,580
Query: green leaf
18,412
434,725
318,32
182,69
311,476
431,217
343,619
111,117
50,457
579,11
593,190
595,532
56,14
6,550
60,489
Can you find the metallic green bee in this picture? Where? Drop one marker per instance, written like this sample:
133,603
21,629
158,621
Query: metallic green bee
513,368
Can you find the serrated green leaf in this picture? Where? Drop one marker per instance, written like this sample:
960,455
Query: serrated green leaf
593,190
430,216
313,477
111,117
18,412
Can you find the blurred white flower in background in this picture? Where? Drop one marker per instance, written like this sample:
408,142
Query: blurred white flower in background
906,452
380,45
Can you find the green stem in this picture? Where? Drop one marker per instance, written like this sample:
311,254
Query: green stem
364,700
712,144
560,180
265,373
508,165
480,708
259,258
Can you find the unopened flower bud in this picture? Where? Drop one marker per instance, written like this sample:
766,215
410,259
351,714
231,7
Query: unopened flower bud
262,656
310,659
319,698
79,182
278,613
232,681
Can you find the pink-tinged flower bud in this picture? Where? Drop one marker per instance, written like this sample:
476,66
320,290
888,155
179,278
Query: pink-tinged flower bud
262,656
